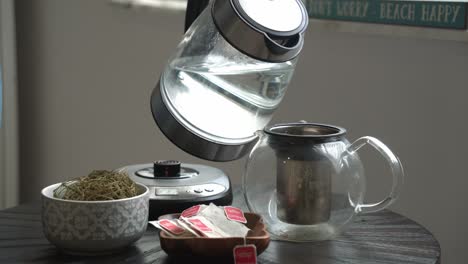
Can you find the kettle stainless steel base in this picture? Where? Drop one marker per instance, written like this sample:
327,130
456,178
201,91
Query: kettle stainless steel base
176,186
180,133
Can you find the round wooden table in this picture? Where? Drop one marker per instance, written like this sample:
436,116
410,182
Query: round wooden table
383,237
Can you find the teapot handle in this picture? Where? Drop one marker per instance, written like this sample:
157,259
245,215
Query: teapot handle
395,166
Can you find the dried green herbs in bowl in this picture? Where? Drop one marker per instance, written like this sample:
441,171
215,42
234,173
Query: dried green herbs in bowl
100,213
99,185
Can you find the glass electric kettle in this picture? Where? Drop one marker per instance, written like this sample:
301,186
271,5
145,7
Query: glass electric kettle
228,75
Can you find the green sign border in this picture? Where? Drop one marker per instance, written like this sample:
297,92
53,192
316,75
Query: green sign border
424,13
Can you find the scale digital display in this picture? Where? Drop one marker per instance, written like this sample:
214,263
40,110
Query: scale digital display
166,191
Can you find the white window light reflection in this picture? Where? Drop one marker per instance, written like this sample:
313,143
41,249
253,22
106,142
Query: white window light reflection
175,5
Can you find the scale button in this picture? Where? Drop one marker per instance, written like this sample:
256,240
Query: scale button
209,189
198,190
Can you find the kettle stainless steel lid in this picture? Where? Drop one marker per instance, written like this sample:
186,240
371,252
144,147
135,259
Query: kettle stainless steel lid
270,34
268,30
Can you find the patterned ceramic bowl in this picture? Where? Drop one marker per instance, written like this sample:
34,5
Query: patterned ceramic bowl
94,227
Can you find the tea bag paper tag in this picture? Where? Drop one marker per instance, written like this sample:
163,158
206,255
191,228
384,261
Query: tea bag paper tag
245,254
171,227
198,224
234,214
155,224
194,210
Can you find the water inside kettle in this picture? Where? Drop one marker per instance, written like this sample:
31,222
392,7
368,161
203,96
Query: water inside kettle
223,98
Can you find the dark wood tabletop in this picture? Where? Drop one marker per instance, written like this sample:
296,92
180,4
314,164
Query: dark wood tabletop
377,238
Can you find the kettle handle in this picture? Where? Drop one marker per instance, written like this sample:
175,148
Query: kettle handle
194,9
395,166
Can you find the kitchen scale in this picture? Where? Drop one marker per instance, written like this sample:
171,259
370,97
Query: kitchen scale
175,186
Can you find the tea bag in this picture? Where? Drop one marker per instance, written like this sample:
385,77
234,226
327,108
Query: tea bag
204,227
217,217
205,221
171,228
188,228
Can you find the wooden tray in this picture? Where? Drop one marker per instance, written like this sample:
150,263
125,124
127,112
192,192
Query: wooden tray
215,247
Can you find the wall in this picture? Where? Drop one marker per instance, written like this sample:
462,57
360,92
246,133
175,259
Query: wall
9,158
87,69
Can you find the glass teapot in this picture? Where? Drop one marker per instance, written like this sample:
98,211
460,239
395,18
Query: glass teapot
228,75
307,181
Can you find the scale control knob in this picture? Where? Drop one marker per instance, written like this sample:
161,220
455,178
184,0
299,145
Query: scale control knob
166,168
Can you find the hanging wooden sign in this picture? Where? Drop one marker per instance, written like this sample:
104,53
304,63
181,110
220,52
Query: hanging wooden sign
414,13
